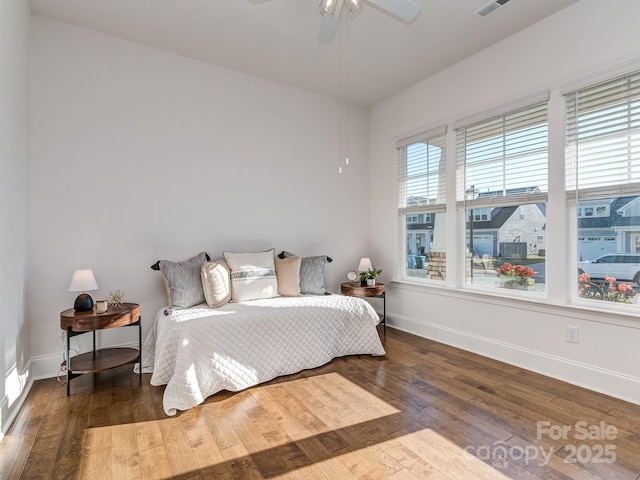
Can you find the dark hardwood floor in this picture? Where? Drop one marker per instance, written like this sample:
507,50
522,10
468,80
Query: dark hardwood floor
425,411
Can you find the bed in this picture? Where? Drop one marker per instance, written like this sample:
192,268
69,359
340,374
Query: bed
199,351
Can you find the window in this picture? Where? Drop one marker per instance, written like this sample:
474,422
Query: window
502,169
480,214
591,209
423,218
421,204
603,185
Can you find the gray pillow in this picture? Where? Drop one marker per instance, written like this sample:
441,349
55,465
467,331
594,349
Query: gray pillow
311,273
183,282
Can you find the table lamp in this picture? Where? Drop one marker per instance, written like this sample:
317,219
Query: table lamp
83,281
365,265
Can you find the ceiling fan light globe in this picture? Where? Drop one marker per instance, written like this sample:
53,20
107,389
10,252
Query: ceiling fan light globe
354,5
328,6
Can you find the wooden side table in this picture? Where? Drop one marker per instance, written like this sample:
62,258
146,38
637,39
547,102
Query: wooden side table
77,323
355,289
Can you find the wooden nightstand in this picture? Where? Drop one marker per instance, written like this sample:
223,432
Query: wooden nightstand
77,323
354,289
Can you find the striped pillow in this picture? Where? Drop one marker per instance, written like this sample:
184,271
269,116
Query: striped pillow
253,275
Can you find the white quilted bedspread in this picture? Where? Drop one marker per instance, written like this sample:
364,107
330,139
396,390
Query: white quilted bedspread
199,351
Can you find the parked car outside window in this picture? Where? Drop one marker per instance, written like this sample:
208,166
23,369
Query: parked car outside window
621,266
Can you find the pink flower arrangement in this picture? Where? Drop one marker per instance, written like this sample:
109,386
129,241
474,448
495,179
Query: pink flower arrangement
514,270
514,276
608,291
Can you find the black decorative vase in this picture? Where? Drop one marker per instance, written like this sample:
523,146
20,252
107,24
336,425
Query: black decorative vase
83,303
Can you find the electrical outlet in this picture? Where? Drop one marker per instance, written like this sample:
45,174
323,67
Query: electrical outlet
572,334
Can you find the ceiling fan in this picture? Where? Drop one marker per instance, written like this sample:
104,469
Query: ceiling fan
405,10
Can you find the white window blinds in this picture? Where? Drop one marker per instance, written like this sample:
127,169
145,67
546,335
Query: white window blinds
422,173
603,139
503,160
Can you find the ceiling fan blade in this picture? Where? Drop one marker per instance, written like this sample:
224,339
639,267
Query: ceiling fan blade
405,9
329,25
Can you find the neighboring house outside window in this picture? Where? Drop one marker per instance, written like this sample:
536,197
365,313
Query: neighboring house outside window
498,226
502,185
603,185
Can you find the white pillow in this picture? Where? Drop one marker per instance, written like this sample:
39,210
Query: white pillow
253,275
216,282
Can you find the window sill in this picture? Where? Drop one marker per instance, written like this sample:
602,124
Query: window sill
531,301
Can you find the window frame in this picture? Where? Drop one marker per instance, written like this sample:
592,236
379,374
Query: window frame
521,122
430,210
598,189
561,237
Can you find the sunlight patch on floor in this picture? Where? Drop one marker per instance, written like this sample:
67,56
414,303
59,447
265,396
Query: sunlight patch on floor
300,428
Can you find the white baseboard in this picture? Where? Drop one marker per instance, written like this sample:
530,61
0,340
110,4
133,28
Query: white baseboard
46,366
614,384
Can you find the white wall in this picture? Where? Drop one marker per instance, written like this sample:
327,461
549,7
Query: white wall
140,155
15,350
580,40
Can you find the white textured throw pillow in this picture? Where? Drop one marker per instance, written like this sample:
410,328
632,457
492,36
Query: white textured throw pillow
253,275
216,282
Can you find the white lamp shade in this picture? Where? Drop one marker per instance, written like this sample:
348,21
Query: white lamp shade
365,265
83,281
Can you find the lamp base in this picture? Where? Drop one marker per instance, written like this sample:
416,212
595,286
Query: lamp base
83,303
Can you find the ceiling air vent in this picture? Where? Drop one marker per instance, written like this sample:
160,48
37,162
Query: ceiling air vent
491,7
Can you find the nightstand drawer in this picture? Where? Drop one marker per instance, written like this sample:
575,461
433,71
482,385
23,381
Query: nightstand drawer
128,314
357,290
